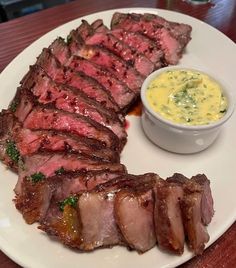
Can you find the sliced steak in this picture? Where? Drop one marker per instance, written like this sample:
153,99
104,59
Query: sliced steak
79,80
60,50
40,117
48,165
74,101
181,31
29,142
171,47
121,94
196,232
136,41
134,208
35,198
142,64
167,216
207,204
108,60
142,44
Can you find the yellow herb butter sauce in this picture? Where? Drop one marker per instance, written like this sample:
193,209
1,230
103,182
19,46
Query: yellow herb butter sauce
186,97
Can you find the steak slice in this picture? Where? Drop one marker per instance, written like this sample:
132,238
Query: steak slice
74,101
181,31
134,208
136,41
142,64
142,44
171,47
46,165
79,80
196,232
38,117
121,94
207,206
29,142
167,216
108,60
35,199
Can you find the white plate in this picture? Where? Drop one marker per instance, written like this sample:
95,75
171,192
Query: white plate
30,247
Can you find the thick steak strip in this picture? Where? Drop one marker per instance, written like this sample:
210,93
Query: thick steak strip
52,119
142,64
171,47
74,101
48,164
103,57
29,142
134,215
167,216
121,94
79,80
35,199
134,40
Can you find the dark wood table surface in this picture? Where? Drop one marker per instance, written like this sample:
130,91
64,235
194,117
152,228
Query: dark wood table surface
17,34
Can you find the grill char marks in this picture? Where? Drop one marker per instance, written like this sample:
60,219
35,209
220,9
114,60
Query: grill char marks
168,218
105,39
108,60
72,100
172,47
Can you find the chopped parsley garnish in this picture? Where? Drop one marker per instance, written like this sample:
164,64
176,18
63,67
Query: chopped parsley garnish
60,171
68,39
13,106
36,177
12,151
71,201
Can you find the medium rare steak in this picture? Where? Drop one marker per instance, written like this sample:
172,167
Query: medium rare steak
121,94
108,60
142,64
79,80
75,101
172,47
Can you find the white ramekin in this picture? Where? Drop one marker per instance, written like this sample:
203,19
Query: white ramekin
181,138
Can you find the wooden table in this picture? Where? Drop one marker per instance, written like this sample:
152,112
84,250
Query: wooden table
17,34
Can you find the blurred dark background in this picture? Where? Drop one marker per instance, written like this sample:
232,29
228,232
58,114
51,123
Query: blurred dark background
10,9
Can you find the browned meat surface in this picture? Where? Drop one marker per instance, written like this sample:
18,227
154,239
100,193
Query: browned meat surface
103,57
196,232
172,47
69,99
134,215
207,206
8,150
52,119
35,198
136,41
207,209
167,216
79,80
142,64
